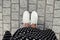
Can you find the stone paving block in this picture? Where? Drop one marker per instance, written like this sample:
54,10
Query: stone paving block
0,2
41,20
0,24
50,2
1,37
41,4
57,35
23,3
32,8
40,12
49,9
49,17
13,30
6,11
56,21
15,1
56,29
48,25
0,8
0,16
57,4
15,24
22,11
0,31
32,1
6,27
6,19
15,7
57,13
15,16
6,3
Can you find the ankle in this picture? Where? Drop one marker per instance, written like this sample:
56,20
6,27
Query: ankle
33,25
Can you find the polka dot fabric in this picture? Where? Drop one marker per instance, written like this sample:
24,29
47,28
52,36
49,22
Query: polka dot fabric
33,34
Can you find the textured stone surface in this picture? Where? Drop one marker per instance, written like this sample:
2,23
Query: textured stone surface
41,4
0,31
57,35
15,24
6,3
23,3
49,9
6,19
41,20
57,13
56,29
40,12
15,7
32,1
56,21
6,27
15,16
13,30
50,2
6,11
0,8
0,16
49,17
48,24
22,10
0,24
57,4
15,1
32,8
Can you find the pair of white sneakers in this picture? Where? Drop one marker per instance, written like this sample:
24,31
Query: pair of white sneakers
34,17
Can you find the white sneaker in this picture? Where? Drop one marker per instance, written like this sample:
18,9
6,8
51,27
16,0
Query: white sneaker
26,17
34,17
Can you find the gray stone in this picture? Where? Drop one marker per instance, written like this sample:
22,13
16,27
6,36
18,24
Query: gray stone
0,24
1,37
6,3
49,17
57,13
0,1
41,4
49,9
40,12
56,21
23,3
41,20
0,16
13,30
6,19
15,7
50,2
15,1
48,25
32,1
6,27
1,31
15,24
22,10
0,8
15,16
6,11
57,4
32,8
57,35
56,29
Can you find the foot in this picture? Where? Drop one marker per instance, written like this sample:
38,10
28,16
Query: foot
26,19
34,19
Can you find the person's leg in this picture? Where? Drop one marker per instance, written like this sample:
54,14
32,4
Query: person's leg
34,19
26,19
